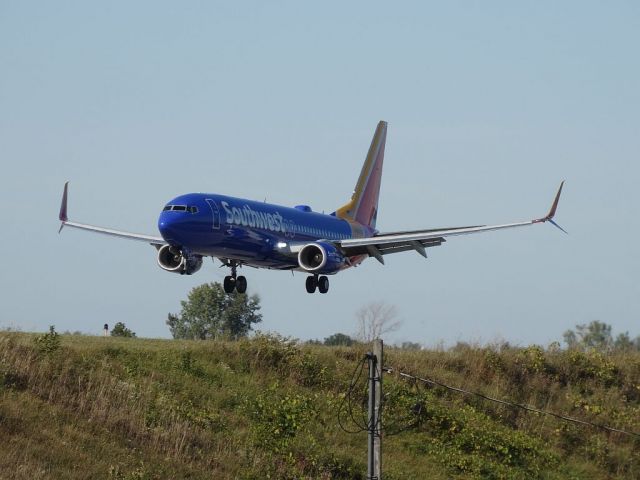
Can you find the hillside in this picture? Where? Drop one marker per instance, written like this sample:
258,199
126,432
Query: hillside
96,407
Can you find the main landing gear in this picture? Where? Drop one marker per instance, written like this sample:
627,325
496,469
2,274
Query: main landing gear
314,281
234,282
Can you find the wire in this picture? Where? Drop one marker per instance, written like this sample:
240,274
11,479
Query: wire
348,400
512,404
408,422
363,423
366,424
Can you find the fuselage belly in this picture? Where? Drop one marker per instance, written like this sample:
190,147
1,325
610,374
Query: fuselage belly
255,233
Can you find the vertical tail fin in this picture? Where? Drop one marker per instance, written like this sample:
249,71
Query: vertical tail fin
363,206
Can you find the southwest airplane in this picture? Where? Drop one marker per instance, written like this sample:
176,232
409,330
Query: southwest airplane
242,232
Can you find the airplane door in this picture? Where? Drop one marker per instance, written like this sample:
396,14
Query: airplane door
215,211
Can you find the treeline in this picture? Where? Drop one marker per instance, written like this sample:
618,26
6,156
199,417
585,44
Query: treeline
344,340
595,335
209,313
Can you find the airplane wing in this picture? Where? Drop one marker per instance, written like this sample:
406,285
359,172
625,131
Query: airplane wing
419,240
155,241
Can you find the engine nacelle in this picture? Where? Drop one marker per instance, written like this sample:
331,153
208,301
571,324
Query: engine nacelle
172,259
320,257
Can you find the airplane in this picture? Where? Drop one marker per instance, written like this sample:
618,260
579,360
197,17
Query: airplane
242,232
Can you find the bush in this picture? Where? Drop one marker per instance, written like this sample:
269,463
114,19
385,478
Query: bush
309,371
48,342
278,418
532,359
269,351
339,339
121,330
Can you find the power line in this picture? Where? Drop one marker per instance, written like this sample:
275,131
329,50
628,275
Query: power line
362,424
348,401
512,404
409,421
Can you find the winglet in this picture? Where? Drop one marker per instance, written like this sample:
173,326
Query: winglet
63,207
552,211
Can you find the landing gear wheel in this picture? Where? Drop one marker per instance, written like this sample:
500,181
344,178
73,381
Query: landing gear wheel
323,284
241,284
311,284
229,284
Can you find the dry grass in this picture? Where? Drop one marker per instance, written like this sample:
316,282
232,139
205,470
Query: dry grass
133,409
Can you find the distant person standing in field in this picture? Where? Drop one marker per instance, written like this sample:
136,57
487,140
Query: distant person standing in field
106,330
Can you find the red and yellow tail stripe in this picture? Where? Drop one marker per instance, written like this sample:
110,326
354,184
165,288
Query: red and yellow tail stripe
363,206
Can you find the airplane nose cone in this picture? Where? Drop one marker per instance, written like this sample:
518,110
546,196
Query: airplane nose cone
169,226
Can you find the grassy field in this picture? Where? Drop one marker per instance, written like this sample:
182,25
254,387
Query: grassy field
91,407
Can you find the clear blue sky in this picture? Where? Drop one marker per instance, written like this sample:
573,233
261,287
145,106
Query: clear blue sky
489,104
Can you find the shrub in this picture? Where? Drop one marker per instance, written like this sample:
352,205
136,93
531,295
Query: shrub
48,342
269,351
278,418
309,371
532,359
188,364
121,330
592,365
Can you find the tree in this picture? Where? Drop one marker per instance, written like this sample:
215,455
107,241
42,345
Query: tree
48,342
594,335
339,339
597,335
410,346
624,343
121,330
210,313
376,319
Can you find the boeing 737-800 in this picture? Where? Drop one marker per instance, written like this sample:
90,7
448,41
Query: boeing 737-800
258,234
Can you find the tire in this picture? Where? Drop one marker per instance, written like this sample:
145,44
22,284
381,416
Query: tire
241,284
229,284
323,284
311,284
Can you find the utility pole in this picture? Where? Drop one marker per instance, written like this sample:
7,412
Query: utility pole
374,463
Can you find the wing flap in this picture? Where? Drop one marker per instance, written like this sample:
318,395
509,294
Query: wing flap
401,241
424,236
392,247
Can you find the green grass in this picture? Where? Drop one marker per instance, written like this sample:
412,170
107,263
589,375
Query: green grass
92,407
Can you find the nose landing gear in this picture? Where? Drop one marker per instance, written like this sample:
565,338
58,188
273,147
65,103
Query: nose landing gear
314,281
234,282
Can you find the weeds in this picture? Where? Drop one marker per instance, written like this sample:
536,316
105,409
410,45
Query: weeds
278,418
48,342
266,408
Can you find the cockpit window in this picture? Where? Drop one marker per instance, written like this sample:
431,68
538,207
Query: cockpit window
181,208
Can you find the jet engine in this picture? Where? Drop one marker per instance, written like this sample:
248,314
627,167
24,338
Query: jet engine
172,259
320,257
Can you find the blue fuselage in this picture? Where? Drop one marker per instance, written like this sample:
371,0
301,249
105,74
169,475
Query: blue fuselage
255,233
